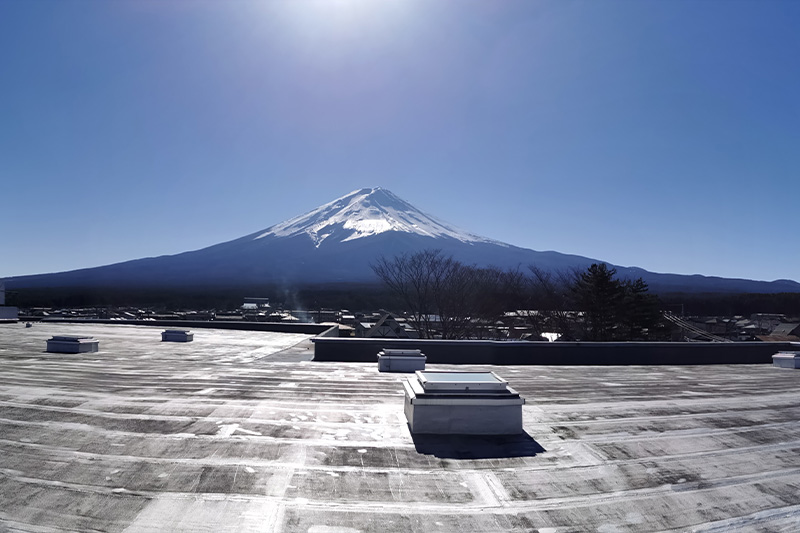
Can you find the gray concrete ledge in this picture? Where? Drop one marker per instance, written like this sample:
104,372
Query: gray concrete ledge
555,353
276,327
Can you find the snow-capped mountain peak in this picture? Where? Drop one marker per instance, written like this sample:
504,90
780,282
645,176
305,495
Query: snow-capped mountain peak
363,213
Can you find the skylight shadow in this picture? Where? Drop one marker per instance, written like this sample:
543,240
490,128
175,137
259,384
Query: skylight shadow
477,446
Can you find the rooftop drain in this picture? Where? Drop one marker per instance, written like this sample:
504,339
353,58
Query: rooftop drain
466,403
176,335
401,360
72,344
786,359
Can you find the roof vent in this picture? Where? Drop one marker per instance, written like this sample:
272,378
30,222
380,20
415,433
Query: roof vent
786,359
401,360
177,335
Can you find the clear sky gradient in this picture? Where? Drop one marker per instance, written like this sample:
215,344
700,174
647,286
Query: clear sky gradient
663,134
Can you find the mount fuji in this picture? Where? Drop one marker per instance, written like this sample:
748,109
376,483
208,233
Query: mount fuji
337,242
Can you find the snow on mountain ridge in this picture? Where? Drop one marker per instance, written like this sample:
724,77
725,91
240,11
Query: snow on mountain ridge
363,213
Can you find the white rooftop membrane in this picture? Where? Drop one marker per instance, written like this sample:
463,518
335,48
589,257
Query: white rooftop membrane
230,434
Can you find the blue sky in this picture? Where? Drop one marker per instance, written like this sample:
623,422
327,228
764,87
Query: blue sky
660,134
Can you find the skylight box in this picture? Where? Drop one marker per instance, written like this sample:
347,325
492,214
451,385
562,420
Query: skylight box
72,344
469,403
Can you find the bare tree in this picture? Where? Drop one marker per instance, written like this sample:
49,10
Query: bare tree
415,279
550,296
429,283
495,292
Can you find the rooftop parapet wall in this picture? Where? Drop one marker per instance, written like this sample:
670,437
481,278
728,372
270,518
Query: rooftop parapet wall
8,314
276,327
555,353
332,331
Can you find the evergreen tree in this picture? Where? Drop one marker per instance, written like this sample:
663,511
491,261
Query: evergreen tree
599,296
614,309
639,312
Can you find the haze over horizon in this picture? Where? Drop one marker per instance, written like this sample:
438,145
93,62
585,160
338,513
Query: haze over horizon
661,135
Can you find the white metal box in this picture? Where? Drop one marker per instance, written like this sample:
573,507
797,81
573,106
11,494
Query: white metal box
786,359
468,403
401,360
177,335
72,344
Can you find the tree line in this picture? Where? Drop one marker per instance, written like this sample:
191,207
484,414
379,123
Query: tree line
444,298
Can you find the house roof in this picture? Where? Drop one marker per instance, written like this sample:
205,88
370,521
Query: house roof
786,328
386,321
785,332
778,338
241,431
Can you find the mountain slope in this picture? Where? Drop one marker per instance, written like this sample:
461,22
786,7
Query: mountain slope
365,213
337,242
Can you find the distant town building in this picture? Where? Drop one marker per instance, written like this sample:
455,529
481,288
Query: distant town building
766,322
785,332
386,327
258,303
255,308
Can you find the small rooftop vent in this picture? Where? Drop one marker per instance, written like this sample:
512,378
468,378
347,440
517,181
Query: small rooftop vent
786,359
177,335
401,360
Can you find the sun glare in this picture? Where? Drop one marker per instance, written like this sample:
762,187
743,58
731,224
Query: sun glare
345,14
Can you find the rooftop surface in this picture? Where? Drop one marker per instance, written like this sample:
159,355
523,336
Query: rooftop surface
240,431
